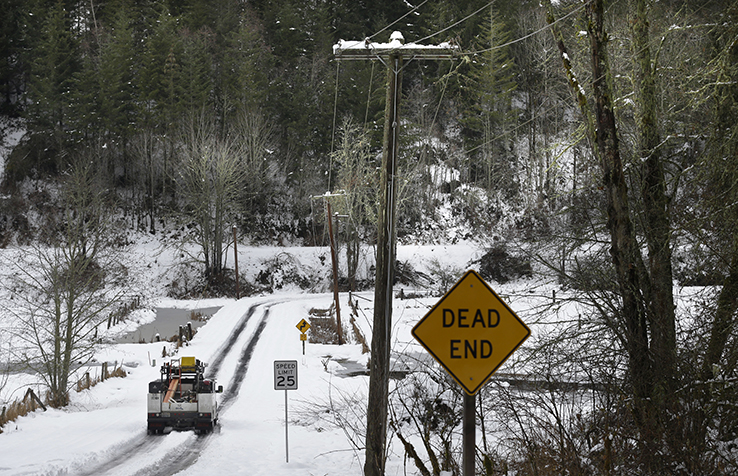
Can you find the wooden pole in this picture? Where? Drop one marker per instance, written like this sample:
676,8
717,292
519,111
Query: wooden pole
391,54
34,398
334,259
235,260
376,435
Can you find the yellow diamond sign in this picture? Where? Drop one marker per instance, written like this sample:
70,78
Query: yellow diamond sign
471,332
303,326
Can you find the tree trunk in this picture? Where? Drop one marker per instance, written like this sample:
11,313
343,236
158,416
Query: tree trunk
657,226
724,321
624,246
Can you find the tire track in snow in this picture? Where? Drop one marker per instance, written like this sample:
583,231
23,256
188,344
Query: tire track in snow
187,456
234,386
180,458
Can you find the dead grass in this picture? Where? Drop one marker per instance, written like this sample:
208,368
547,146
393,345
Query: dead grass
16,409
26,405
87,382
324,329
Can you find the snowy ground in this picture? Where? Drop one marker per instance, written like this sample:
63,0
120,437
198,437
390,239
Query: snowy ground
103,431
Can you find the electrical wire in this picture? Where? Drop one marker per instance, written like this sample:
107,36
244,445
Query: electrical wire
508,132
457,23
512,42
399,19
522,38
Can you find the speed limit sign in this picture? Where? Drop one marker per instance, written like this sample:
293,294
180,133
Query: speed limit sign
285,375
285,378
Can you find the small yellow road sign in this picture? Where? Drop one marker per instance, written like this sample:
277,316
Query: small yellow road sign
471,332
303,326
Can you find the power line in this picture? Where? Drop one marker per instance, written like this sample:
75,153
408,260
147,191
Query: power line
517,40
522,38
458,22
399,19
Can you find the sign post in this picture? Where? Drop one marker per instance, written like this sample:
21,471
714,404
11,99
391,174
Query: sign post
303,327
285,378
471,331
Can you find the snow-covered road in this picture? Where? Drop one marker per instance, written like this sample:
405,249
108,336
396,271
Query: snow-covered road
104,430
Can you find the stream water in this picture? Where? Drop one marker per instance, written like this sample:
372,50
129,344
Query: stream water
167,322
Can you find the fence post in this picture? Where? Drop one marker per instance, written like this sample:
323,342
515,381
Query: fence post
34,399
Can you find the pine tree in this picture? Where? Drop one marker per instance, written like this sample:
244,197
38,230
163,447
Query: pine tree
53,64
246,63
195,83
12,43
159,74
117,82
490,114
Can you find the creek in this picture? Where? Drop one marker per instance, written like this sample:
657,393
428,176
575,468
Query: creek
167,322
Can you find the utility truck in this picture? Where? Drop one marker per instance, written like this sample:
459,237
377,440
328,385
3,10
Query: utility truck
183,399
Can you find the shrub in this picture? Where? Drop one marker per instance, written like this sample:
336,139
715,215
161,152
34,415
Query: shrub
499,265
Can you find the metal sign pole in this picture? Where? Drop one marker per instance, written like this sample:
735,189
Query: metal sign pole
470,332
286,432
469,434
285,378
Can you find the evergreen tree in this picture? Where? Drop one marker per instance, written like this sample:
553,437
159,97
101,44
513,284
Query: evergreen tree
195,85
86,97
117,82
490,115
12,43
246,65
159,74
53,64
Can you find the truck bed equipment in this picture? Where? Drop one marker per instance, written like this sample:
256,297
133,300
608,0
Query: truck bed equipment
182,399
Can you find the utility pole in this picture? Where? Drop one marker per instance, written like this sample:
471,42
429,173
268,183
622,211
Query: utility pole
392,55
334,256
334,261
235,259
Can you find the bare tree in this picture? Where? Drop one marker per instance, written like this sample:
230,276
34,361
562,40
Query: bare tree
254,134
148,152
639,212
209,181
357,178
64,288
5,354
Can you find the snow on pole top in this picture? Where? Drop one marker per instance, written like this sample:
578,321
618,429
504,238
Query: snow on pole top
396,37
364,49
